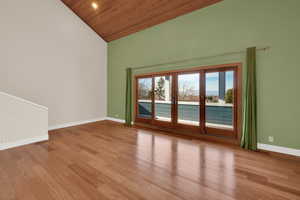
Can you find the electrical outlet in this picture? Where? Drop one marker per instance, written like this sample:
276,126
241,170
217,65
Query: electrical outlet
271,139
117,115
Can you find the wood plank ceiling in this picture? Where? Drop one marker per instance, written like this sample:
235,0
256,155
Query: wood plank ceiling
113,19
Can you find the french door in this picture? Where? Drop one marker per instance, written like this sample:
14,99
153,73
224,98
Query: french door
203,100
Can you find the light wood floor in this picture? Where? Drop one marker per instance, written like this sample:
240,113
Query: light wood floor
105,160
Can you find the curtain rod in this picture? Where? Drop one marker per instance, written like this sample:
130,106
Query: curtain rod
198,58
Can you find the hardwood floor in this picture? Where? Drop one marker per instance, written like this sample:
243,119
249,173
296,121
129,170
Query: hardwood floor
105,160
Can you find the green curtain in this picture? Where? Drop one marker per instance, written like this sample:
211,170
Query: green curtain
128,105
249,134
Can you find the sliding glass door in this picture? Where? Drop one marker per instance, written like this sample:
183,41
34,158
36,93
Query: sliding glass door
144,98
155,99
188,99
163,98
220,100
203,100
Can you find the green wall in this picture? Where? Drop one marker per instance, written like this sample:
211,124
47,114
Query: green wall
231,25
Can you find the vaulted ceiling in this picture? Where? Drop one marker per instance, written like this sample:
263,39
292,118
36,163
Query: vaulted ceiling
113,19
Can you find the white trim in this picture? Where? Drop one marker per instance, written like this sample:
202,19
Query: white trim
75,123
24,101
23,142
115,119
279,149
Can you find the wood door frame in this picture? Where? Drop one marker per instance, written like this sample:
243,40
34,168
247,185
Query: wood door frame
237,67
152,120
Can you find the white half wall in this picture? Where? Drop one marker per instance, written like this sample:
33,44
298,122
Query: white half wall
50,57
22,122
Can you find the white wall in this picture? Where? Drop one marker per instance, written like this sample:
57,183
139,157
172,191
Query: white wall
50,57
22,122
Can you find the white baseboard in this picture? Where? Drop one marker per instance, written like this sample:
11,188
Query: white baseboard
75,123
279,149
23,142
115,119
84,122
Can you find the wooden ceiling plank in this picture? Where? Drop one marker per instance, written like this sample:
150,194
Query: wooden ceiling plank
118,18
153,21
137,17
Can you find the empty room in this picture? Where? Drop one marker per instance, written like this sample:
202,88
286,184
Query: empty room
149,100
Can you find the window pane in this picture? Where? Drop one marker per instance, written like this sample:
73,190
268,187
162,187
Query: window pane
163,95
144,97
188,99
219,99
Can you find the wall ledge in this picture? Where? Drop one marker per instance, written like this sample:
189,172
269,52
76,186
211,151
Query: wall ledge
24,101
